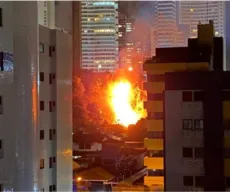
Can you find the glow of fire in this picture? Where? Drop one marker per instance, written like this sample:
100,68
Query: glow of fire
122,96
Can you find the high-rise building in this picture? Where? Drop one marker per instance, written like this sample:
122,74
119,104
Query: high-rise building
165,31
193,12
35,98
98,22
203,53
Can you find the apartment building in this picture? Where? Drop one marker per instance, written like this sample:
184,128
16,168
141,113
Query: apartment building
203,53
36,90
196,131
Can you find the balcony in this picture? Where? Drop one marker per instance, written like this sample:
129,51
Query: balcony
153,144
157,181
154,87
154,106
154,124
154,162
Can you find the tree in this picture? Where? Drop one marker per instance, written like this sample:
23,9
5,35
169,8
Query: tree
137,132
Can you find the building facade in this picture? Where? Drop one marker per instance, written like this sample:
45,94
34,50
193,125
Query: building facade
99,35
178,59
36,147
197,131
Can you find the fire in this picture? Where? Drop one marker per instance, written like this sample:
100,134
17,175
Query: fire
125,104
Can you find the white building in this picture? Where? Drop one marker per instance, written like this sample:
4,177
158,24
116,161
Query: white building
36,144
99,35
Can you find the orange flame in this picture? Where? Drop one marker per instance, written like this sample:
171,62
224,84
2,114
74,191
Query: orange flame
125,104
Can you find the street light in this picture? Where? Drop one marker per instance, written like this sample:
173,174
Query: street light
130,69
79,179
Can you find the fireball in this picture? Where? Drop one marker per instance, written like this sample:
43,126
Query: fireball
122,101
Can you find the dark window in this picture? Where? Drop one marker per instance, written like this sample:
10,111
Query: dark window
187,124
81,145
156,78
54,76
156,115
54,187
198,96
54,103
54,159
50,78
50,188
87,146
199,152
187,152
226,95
50,134
42,164
50,162
53,48
155,172
1,187
155,134
155,96
50,51
50,106
187,96
42,105
0,100
188,180
198,123
54,132
1,149
41,76
199,181
1,61
227,181
227,152
155,153
1,18
42,134
41,48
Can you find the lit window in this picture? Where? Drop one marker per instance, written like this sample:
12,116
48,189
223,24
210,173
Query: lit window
191,10
41,48
216,33
42,164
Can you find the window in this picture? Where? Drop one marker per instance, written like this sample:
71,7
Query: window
41,76
199,181
54,76
50,188
156,96
42,164
155,134
187,152
198,96
42,105
226,124
87,146
226,95
155,172
53,48
1,106
42,134
155,153
199,152
54,132
54,187
50,134
1,149
1,17
188,180
227,152
187,124
1,187
41,48
227,181
198,123
187,95
50,106
50,162
54,104
50,78
54,159
50,51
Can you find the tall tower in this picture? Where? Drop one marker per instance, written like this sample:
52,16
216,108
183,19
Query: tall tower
99,35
